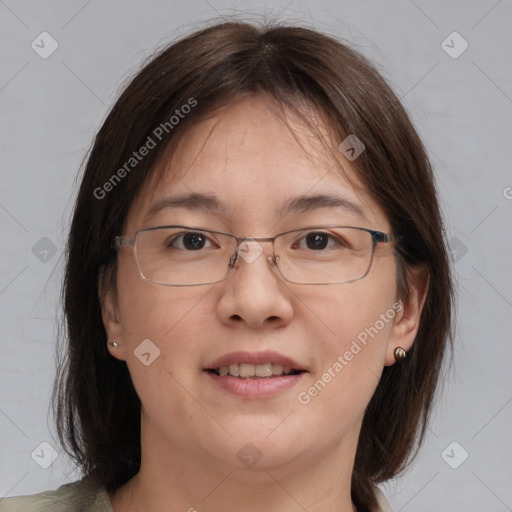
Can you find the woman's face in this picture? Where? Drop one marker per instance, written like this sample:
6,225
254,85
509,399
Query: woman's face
339,335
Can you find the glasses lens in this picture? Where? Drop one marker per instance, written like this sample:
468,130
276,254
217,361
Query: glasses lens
324,255
183,256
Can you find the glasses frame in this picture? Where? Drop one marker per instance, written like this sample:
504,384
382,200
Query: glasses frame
377,237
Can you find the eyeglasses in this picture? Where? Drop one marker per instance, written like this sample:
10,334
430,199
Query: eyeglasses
190,256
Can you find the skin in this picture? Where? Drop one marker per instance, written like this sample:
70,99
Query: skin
192,430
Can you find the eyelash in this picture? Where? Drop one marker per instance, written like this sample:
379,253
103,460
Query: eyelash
332,238
180,236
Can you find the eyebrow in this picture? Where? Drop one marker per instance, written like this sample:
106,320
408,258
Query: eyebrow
302,203
192,201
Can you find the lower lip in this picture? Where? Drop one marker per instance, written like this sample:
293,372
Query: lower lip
255,388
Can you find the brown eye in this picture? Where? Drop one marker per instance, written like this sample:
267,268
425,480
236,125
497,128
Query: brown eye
194,241
190,241
317,240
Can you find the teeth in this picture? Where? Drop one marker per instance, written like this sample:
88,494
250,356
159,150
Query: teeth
277,369
247,371
263,370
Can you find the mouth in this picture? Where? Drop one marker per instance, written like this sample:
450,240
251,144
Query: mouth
255,374
254,371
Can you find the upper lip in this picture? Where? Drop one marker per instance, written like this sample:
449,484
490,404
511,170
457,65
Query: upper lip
254,358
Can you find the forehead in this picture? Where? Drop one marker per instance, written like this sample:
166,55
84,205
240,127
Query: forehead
249,140
252,160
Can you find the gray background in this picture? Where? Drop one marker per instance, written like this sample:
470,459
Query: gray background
51,108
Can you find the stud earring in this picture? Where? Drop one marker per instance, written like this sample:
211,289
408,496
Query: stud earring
400,354
114,344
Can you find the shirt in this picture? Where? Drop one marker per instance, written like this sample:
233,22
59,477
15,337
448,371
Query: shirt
86,495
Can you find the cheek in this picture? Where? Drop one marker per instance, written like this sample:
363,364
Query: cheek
350,312
350,329
173,319
154,311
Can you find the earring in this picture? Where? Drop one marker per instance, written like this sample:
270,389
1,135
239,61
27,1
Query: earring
114,344
400,354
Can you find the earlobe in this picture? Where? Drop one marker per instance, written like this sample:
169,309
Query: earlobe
113,328
407,321
111,323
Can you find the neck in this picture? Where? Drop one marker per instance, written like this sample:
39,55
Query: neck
171,478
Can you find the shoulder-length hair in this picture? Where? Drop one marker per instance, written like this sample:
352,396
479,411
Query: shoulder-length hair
96,406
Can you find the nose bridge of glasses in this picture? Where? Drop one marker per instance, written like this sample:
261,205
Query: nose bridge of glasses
250,249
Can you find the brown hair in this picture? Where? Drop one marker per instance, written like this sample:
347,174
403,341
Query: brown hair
96,406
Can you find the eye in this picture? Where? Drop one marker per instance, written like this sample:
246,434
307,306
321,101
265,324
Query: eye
189,241
318,240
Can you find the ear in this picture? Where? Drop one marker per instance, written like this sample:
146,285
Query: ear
407,320
108,302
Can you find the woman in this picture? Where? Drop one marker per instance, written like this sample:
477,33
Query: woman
257,291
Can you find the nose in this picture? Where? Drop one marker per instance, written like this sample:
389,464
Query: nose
254,292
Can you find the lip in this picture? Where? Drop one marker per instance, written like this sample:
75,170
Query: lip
267,356
255,388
